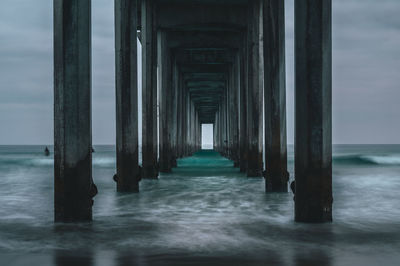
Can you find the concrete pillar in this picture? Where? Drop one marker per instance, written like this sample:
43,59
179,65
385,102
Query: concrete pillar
215,137
276,174
192,126
165,104
181,108
185,127
174,120
235,113
128,171
199,135
254,101
243,108
230,111
313,134
224,125
149,90
73,184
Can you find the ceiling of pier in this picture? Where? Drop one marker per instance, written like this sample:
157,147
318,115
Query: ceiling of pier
204,37
230,2
205,72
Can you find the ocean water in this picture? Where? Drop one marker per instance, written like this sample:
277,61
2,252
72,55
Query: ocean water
204,213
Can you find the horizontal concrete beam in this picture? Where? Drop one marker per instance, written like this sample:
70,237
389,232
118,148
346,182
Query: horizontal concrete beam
201,39
208,56
201,15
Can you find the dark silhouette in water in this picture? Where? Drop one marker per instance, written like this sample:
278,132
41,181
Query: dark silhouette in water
93,150
93,191
46,151
293,188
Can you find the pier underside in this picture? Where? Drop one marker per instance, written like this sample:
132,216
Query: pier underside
203,62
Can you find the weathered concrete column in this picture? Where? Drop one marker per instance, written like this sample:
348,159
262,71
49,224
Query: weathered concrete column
224,125
313,138
276,174
235,113
218,129
165,104
128,171
230,110
73,184
185,125
149,91
192,127
199,135
215,137
174,120
254,101
181,108
243,108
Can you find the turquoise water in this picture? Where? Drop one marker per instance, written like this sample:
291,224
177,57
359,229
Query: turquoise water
204,213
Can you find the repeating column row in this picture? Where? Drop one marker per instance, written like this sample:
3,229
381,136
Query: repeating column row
249,79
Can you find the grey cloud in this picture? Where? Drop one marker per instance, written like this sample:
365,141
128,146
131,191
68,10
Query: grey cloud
366,60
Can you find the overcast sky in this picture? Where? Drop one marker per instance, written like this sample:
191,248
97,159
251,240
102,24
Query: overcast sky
366,65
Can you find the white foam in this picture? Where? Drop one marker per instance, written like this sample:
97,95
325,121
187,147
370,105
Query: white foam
43,161
389,160
104,161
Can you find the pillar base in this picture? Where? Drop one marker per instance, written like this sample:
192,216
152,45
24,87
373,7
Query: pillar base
150,172
313,214
166,170
276,182
76,209
243,165
132,189
174,163
132,186
254,173
313,198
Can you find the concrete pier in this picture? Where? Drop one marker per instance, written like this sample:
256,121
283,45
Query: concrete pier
128,171
276,174
73,184
203,62
313,136
149,90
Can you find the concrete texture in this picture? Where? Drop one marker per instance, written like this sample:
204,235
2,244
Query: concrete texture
128,171
73,184
313,139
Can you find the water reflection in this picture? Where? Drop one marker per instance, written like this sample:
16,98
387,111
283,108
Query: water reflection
312,258
204,213
73,258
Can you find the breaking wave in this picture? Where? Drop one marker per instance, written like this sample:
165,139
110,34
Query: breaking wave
368,159
39,162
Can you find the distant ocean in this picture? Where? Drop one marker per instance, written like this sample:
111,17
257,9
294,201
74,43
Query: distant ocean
204,213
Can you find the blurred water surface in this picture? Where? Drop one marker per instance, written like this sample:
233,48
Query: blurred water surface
204,212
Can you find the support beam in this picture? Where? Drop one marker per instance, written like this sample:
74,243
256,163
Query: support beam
73,184
149,90
276,174
313,134
128,171
254,100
